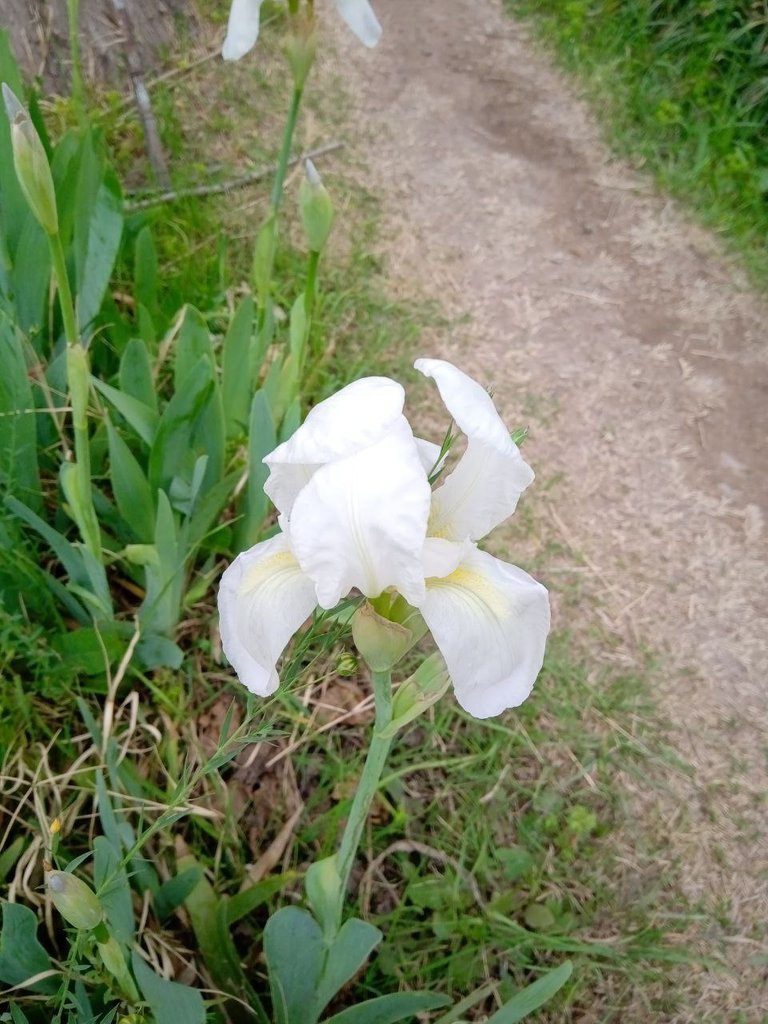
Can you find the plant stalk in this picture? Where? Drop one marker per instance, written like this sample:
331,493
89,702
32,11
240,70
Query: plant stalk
369,780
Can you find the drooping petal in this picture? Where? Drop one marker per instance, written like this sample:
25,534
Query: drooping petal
263,599
361,521
359,15
484,488
357,416
242,29
490,621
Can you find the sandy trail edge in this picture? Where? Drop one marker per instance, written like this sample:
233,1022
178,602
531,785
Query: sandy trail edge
615,329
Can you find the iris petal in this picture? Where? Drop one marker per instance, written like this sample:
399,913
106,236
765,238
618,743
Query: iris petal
490,621
264,597
242,29
484,488
357,416
361,521
359,16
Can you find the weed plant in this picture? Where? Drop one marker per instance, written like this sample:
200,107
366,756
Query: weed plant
682,86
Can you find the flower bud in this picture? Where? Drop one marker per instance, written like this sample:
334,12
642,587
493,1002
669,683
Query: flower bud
77,903
31,163
381,643
315,207
300,49
420,691
346,665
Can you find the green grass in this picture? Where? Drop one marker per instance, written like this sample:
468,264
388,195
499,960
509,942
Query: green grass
682,88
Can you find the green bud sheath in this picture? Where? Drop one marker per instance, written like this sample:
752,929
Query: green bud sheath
316,209
31,163
77,903
380,642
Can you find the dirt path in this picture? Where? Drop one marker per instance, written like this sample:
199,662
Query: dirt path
611,325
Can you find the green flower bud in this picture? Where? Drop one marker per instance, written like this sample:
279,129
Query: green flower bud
346,665
315,207
381,643
77,903
323,887
420,691
31,163
300,50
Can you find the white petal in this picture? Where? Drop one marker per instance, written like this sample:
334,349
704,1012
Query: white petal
357,416
242,29
361,521
359,15
490,621
487,483
263,599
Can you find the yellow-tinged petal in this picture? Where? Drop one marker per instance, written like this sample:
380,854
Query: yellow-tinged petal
264,597
490,621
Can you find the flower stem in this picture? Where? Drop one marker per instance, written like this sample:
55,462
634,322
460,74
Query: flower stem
65,294
285,151
369,780
73,19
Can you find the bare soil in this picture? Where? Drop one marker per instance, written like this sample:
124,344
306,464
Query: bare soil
618,331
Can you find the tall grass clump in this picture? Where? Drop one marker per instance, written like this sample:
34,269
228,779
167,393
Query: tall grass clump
683,88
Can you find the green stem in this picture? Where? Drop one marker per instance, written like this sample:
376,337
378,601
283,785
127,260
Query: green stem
65,294
369,780
310,293
73,18
285,151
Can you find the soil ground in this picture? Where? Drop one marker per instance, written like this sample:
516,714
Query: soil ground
617,330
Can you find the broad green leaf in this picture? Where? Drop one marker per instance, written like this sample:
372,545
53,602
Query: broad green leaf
351,948
136,373
104,231
174,892
114,890
155,651
533,996
140,417
245,902
293,947
172,453
169,1002
88,650
87,579
389,1009
160,609
31,278
235,374
208,914
193,347
10,855
17,1015
261,441
130,488
208,508
18,424
145,271
21,955
13,206
298,329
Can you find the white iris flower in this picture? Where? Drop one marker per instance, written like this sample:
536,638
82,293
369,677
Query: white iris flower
244,15
357,513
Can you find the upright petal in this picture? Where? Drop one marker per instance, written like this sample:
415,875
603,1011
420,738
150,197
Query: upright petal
487,483
263,599
357,416
490,621
359,15
361,521
242,29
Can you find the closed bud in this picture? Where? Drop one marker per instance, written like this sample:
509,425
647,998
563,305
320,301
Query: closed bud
315,207
77,903
346,665
31,163
381,643
300,49
420,691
